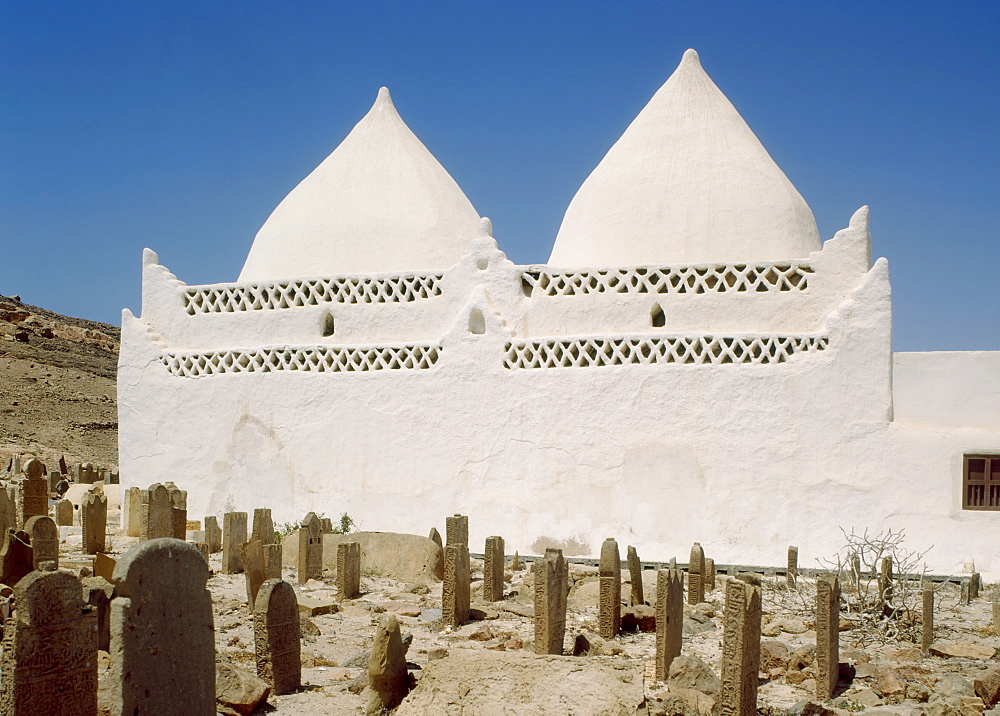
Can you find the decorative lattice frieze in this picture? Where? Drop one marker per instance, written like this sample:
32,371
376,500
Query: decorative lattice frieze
289,294
317,359
724,278
686,350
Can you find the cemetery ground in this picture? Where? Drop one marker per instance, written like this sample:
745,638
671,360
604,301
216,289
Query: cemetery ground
894,677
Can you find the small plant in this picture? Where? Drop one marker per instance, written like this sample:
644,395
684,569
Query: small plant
347,524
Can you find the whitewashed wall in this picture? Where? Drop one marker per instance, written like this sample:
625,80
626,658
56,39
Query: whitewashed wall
746,458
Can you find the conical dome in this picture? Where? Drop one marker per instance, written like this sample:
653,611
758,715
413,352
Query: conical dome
687,182
379,203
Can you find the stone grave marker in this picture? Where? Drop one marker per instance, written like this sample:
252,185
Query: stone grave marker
975,581
97,592
310,549
635,576
436,536
16,557
203,548
927,627
49,661
696,575
132,511
32,492
827,635
515,564
64,513
457,530
348,570
252,556
234,534
94,518
156,517
792,574
455,590
263,526
709,574
272,561
609,617
326,525
8,508
885,583
669,619
387,674
551,574
44,537
277,636
178,511
104,566
740,649
162,636
213,535
493,564
53,479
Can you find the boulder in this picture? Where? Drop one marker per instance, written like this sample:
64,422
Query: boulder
689,672
639,617
238,691
477,681
406,558
773,655
987,686
962,649
587,643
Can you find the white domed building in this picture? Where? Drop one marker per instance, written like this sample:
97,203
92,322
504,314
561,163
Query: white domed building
693,363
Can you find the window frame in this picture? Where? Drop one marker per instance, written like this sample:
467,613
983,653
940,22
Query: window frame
991,467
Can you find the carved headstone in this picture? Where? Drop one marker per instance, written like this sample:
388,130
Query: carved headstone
156,514
32,492
455,590
263,526
709,574
635,576
252,555
696,575
740,649
493,564
551,574
64,513
349,569
277,636
97,592
310,549
457,530
669,619
44,536
326,525
94,518
792,575
213,535
272,561
436,536
178,511
49,661
387,674
927,627
234,534
885,583
162,637
16,557
609,616
827,635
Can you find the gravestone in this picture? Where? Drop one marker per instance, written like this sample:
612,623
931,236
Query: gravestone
132,511
827,635
203,549
263,526
44,537
86,474
94,519
975,582
178,511
310,549
63,468
455,590
104,566
963,592
436,536
792,575
740,649
709,574
348,569
635,576
493,564
996,617
457,530
97,593
609,616
515,564
277,636
16,557
272,561
885,584
551,574
927,627
234,534
387,676
162,637
252,556
326,525
15,464
64,513
156,519
49,661
32,492
696,575
213,535
52,479
8,508
669,619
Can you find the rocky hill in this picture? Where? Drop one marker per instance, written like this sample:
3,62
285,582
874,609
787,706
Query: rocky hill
57,385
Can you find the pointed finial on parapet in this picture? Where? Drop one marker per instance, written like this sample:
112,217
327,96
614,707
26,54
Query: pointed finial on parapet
149,258
485,227
384,99
859,222
691,56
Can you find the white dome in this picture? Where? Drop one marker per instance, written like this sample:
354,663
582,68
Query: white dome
687,182
379,203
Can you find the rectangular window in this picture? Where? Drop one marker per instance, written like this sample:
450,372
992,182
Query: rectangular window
981,482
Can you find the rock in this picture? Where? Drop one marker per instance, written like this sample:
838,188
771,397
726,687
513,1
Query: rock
987,686
788,625
639,617
962,649
587,643
418,588
866,697
917,691
689,672
585,593
316,607
809,708
308,626
802,658
359,683
478,681
670,704
953,685
864,671
888,683
387,678
913,653
238,691
478,614
698,702
484,633
854,656
406,558
436,654
513,643
773,655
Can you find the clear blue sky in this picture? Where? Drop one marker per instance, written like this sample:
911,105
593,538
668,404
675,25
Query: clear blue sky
181,125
